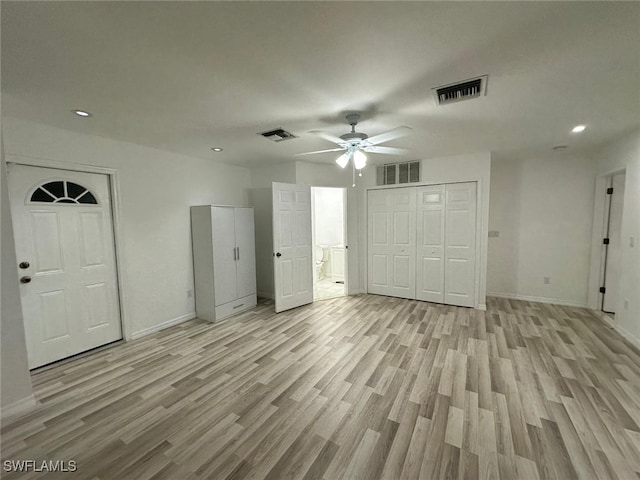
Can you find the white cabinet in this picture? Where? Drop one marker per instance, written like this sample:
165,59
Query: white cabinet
421,243
224,260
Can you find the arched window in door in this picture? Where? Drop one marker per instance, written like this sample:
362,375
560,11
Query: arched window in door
62,191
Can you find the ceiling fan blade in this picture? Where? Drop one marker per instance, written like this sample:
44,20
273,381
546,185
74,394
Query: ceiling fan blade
328,136
319,151
386,150
390,135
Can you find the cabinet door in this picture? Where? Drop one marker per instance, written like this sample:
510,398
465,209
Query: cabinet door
392,242
460,244
246,252
430,244
224,254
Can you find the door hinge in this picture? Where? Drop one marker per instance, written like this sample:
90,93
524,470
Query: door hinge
605,241
610,191
603,290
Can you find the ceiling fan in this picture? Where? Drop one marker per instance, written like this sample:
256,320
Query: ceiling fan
355,144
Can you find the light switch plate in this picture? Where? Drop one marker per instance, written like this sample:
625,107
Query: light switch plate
494,233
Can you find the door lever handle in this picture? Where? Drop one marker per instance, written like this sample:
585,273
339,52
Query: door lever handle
278,254
25,279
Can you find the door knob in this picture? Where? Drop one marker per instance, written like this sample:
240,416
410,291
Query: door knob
278,254
25,279
24,265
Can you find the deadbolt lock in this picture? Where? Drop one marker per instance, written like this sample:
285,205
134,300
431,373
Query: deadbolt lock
24,265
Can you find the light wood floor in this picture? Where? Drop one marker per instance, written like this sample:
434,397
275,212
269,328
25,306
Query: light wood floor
358,387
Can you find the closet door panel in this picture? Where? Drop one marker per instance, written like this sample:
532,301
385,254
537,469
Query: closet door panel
430,243
391,242
460,244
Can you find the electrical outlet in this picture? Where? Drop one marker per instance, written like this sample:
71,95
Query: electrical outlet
189,293
547,280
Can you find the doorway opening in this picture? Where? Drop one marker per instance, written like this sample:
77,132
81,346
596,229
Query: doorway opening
612,243
328,207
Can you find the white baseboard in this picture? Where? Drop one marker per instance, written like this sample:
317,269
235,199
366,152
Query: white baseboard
528,298
16,409
628,336
169,323
270,296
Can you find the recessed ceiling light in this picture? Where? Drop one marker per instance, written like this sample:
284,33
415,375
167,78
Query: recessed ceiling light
560,147
216,149
579,128
82,113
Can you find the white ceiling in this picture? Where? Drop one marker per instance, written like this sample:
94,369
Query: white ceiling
188,76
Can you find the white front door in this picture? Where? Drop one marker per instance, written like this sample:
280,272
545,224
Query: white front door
292,245
460,244
392,242
65,249
430,243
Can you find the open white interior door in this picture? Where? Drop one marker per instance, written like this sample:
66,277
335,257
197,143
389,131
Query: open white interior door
292,246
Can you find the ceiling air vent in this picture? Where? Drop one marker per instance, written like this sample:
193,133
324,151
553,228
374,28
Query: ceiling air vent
457,92
393,173
278,135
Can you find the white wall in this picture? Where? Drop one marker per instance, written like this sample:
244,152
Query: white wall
260,197
460,168
542,207
15,381
625,154
264,176
328,216
156,188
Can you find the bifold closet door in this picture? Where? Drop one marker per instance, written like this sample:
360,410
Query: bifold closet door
460,244
430,243
392,242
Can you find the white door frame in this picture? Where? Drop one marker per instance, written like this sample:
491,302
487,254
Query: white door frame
118,238
344,236
598,232
479,206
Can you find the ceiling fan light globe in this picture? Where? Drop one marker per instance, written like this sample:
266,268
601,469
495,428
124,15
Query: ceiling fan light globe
342,160
359,160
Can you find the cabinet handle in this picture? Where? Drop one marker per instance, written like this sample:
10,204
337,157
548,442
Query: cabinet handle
238,252
234,254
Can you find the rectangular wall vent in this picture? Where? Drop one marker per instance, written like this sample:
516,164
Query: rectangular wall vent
395,173
278,135
459,91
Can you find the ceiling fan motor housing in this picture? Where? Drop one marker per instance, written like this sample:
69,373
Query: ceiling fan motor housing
354,137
